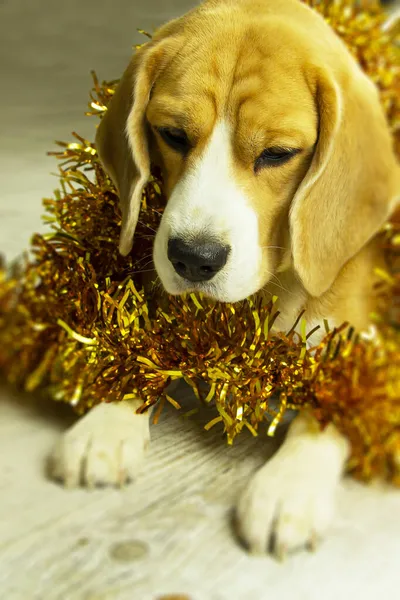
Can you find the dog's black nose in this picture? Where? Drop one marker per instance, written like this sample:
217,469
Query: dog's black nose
197,261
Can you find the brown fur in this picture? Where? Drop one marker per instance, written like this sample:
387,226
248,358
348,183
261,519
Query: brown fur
277,73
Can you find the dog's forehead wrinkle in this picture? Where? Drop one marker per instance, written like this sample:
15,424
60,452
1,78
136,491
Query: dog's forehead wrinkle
252,99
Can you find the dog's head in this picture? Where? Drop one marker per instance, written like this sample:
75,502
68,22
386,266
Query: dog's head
273,145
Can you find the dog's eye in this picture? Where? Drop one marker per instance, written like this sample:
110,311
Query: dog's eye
273,157
175,138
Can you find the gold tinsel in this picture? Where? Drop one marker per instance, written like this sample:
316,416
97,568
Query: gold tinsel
77,322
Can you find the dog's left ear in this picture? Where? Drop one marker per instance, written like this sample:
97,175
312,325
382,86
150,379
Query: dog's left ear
351,185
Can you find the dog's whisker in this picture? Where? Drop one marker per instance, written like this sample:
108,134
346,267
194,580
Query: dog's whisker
278,283
144,271
157,212
148,256
148,226
275,276
142,264
281,287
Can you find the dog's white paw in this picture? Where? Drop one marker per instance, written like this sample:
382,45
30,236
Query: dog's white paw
105,447
289,504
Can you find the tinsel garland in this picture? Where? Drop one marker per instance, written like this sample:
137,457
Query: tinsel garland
78,321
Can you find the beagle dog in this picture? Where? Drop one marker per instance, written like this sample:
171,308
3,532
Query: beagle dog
279,171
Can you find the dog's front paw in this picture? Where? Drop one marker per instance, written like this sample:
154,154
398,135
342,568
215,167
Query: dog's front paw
105,447
283,510
289,503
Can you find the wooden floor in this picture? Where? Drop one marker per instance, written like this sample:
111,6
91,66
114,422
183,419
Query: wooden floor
170,532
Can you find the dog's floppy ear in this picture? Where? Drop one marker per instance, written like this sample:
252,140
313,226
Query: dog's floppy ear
349,189
121,138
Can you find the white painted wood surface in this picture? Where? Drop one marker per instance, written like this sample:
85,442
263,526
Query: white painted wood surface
170,532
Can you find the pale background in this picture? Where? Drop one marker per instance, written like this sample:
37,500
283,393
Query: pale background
170,532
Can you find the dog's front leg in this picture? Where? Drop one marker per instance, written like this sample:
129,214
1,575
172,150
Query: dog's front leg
105,447
290,501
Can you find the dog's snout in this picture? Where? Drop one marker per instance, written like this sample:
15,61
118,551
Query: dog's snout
197,261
